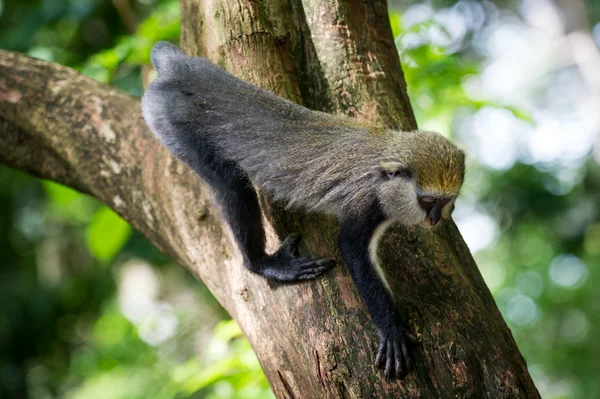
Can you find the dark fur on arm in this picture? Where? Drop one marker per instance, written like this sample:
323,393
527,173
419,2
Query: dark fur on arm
354,240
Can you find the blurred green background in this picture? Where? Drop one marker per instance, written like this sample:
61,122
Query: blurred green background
88,308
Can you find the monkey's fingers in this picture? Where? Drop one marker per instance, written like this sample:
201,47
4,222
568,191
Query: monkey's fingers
310,264
390,359
392,356
309,276
308,268
381,353
406,357
398,357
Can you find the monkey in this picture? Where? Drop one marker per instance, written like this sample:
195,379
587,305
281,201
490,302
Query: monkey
236,136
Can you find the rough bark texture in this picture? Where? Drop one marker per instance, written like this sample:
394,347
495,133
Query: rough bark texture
313,340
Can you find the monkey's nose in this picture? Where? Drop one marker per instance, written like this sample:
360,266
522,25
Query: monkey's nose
434,214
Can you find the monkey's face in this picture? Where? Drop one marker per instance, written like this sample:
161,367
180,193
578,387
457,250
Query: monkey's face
420,178
405,200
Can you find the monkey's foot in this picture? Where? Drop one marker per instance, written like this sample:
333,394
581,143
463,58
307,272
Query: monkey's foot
392,355
285,266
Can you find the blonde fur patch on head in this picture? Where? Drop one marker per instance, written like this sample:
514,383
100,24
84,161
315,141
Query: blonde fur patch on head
439,165
427,164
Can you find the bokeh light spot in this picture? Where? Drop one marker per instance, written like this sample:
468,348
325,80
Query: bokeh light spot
574,326
522,310
568,271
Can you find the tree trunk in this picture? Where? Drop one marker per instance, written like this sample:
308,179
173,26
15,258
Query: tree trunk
315,339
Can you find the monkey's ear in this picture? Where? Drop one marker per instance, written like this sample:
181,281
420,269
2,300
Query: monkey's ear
392,168
163,54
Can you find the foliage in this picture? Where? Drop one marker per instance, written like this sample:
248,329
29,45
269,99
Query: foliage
90,308
134,50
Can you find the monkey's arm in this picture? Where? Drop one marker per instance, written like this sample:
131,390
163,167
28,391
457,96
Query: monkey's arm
354,241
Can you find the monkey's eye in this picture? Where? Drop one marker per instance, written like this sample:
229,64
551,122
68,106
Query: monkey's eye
400,172
427,201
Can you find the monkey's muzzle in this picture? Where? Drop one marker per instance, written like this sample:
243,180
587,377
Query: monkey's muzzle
434,215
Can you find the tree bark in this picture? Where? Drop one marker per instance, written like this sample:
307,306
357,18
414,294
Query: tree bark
315,339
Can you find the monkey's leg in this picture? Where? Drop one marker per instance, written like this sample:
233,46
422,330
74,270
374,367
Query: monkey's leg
354,241
240,208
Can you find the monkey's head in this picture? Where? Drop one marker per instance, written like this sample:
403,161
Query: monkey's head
421,177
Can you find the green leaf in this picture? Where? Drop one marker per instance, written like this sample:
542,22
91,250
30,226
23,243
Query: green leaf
227,330
106,234
67,204
63,196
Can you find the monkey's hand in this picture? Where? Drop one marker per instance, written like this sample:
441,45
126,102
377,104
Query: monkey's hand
285,266
392,355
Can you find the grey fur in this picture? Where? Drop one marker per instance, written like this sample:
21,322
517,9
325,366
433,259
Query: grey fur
303,158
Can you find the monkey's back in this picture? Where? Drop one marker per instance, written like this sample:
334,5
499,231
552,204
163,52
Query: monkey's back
300,157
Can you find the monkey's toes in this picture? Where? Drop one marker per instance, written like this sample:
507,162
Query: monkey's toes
307,269
287,268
